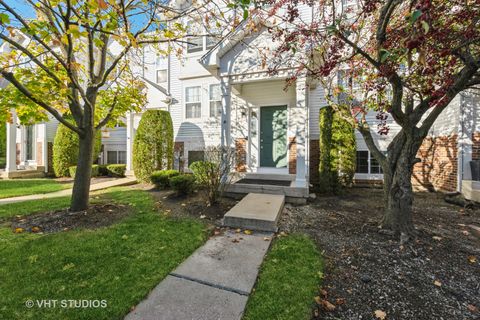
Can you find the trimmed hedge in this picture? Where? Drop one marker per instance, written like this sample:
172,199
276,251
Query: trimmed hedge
153,144
116,170
66,147
161,179
95,170
184,184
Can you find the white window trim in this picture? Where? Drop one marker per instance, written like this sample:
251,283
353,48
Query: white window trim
156,75
217,115
192,102
369,175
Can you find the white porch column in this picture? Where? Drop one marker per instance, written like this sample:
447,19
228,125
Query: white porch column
11,164
129,121
299,118
226,88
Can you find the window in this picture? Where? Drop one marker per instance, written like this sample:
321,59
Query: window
112,157
215,100
362,162
195,44
366,163
194,156
122,157
162,76
211,41
193,104
116,157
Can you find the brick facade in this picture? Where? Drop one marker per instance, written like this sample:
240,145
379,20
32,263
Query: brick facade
241,155
39,157
292,155
476,146
438,168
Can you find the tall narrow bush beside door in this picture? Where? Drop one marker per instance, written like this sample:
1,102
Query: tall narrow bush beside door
153,144
65,150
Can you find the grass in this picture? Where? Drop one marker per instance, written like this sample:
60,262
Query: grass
23,187
288,282
120,263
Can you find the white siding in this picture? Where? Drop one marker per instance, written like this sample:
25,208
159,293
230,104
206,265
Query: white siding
316,101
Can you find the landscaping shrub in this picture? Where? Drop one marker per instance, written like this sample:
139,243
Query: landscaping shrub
161,178
66,147
214,172
153,144
95,171
337,151
183,184
116,170
102,170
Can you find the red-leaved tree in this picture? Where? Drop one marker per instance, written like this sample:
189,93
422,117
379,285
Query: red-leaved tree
403,59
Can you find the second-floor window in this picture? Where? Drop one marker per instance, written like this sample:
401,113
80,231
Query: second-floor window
193,104
195,44
215,100
162,75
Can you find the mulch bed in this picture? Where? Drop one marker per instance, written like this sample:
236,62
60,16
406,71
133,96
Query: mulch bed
98,215
367,270
195,205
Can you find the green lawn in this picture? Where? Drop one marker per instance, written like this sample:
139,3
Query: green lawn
22,187
288,282
119,264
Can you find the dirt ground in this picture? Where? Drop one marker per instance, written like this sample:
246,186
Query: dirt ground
98,215
368,274
194,206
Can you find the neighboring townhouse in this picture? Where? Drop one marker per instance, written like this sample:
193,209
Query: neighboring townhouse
220,93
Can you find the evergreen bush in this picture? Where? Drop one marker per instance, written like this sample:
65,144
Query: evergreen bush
116,170
95,171
153,144
66,147
184,184
161,178
337,151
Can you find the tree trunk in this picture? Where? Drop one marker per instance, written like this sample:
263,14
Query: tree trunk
398,192
81,185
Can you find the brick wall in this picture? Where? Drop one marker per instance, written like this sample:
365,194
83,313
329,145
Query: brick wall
314,161
241,155
438,168
476,146
39,157
292,155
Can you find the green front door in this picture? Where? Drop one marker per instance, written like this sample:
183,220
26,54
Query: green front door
273,137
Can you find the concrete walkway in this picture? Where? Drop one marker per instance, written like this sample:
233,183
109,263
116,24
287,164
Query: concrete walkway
94,187
212,284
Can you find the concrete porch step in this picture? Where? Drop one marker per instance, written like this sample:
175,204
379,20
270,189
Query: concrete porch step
256,211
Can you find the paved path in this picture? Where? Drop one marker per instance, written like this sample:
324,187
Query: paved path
212,284
67,192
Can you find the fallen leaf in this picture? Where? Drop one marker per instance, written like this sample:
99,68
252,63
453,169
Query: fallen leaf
437,238
472,308
238,230
318,300
379,314
216,232
323,292
340,301
184,205
472,259
266,238
235,240
35,229
328,305
203,216
19,230
248,232
465,232
437,283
